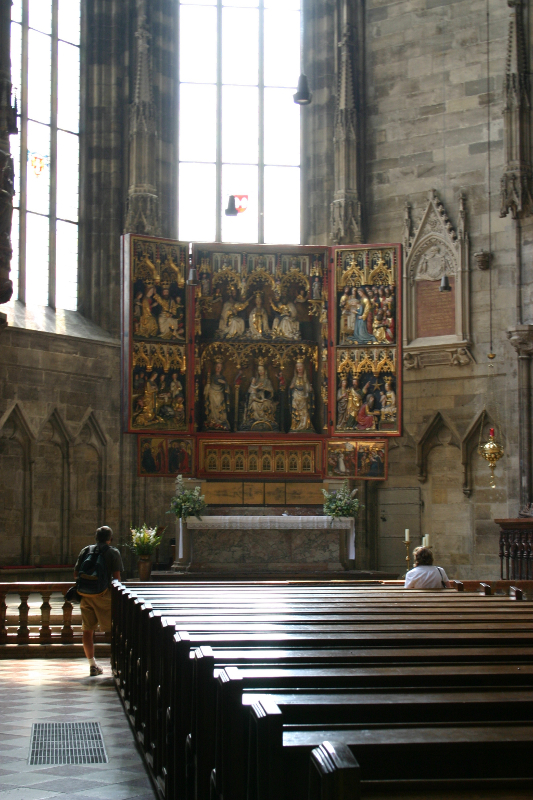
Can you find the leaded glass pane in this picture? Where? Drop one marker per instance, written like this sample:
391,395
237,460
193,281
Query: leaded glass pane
240,180
38,184
39,65
282,128
14,274
68,87
16,51
198,131
282,49
283,5
67,175
197,202
40,15
15,154
240,38
69,21
241,3
37,248
66,265
16,10
282,205
240,124
198,44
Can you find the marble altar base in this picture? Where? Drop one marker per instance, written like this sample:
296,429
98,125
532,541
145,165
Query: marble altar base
266,544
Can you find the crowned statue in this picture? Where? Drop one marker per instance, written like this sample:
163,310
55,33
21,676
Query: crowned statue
231,325
302,399
258,319
260,407
216,399
286,323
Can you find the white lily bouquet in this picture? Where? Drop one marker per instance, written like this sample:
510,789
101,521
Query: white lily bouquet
341,503
144,540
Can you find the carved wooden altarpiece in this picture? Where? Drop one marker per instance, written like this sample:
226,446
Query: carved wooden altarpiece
256,369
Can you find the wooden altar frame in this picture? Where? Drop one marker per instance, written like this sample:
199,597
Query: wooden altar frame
317,441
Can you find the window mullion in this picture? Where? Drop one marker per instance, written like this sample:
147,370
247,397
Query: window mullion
23,165
53,160
261,143
218,235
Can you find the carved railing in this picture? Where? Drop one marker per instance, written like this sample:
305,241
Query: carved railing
516,548
36,625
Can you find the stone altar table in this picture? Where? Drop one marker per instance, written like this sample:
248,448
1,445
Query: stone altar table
265,543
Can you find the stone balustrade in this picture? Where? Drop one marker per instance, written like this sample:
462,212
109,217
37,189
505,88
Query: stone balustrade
29,627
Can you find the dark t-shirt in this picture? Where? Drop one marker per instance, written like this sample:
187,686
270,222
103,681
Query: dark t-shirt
112,558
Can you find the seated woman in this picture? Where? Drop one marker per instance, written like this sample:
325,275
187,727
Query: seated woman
424,575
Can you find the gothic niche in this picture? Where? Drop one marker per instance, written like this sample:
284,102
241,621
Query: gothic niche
436,329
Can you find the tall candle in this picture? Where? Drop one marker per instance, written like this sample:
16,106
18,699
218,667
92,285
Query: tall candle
407,534
427,539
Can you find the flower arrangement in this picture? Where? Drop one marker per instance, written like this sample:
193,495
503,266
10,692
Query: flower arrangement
187,502
341,503
144,540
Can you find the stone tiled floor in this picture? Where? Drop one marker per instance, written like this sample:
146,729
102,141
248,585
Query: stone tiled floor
58,690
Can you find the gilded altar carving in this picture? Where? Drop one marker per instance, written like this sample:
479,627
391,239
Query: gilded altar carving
158,289
259,296
271,460
267,386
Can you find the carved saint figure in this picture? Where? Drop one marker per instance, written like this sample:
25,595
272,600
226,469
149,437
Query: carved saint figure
317,289
348,304
170,319
286,323
388,403
343,396
148,323
258,319
363,320
149,411
216,399
231,325
366,418
301,393
260,411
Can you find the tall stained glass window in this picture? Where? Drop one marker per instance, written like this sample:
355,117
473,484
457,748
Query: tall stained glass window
239,127
45,67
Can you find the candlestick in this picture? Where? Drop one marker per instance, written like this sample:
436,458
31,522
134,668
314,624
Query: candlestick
406,543
407,534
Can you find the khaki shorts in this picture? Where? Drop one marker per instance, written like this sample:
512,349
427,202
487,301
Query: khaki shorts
96,611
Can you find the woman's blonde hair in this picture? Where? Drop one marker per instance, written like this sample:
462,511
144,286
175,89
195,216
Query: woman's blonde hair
423,556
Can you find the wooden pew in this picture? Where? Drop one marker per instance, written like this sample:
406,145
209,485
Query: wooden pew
303,632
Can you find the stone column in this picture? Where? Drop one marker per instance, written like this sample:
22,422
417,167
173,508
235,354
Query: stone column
8,124
521,337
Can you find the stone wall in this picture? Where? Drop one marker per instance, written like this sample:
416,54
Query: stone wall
65,465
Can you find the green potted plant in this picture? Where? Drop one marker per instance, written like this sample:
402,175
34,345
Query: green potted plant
341,503
144,541
187,502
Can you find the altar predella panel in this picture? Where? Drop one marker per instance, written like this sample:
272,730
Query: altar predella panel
298,344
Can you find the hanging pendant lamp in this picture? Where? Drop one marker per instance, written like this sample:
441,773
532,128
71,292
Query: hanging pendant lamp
231,210
445,284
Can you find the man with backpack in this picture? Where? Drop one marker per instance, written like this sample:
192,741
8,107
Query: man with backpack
97,565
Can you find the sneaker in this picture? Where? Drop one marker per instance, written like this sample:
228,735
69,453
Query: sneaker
95,670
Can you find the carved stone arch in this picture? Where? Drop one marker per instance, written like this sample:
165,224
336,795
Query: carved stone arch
88,481
469,446
434,250
51,489
439,432
16,492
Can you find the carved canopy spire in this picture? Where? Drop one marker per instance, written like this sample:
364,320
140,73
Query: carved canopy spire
346,206
143,203
516,181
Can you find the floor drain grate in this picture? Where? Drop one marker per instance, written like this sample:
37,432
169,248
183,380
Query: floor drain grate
67,743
